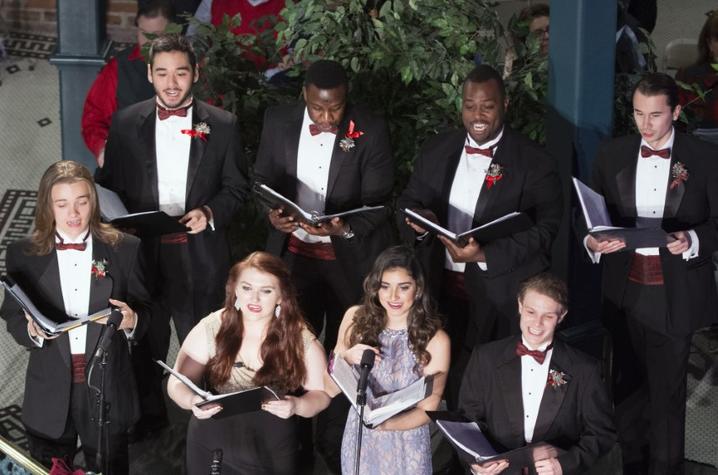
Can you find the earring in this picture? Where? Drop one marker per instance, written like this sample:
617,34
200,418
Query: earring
277,310
237,305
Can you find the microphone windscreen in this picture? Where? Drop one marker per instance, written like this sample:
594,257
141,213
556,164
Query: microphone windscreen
115,318
367,359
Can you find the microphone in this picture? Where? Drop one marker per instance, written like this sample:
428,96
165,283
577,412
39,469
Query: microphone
367,363
215,467
110,328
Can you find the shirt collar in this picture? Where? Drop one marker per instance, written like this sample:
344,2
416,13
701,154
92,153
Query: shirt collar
490,144
68,240
668,144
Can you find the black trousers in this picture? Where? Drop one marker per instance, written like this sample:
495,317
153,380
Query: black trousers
81,422
653,368
325,293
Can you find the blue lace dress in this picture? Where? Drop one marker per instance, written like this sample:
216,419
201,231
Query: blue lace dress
389,452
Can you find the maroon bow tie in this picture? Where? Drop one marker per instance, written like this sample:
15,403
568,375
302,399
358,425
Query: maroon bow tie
163,113
75,246
539,356
314,130
486,152
647,152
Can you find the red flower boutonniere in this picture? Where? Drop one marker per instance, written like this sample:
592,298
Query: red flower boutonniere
556,378
494,173
200,130
679,173
99,268
347,143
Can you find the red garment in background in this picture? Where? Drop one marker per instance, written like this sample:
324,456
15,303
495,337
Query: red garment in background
249,16
101,103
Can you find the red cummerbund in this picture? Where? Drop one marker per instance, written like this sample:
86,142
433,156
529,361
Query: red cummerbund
323,251
646,270
79,363
174,238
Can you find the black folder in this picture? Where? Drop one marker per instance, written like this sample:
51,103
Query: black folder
146,223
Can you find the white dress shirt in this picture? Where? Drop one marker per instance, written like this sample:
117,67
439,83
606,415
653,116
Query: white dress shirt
652,173
75,277
172,150
313,159
534,378
465,190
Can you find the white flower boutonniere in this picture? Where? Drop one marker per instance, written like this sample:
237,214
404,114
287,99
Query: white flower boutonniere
200,130
679,173
556,378
99,268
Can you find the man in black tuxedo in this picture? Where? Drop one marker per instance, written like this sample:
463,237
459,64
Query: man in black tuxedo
655,298
182,156
469,177
327,156
73,266
535,388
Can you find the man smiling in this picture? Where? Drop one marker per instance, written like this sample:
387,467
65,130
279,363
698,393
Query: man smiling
559,389
655,298
181,156
468,177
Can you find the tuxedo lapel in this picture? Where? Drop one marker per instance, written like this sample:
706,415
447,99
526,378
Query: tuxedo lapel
674,196
339,155
509,376
100,292
488,195
626,187
146,132
452,163
290,133
553,395
197,145
49,283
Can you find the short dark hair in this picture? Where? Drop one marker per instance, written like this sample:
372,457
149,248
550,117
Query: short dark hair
169,42
658,84
155,8
534,11
484,73
326,74
546,284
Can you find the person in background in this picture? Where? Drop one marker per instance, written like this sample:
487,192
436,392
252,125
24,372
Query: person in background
258,339
703,76
397,321
123,80
536,388
73,266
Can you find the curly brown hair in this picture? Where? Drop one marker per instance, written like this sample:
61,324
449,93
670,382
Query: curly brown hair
282,350
42,240
370,318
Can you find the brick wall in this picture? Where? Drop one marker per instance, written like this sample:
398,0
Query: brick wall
38,16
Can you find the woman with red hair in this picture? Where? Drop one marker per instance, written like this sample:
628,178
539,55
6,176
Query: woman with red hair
259,338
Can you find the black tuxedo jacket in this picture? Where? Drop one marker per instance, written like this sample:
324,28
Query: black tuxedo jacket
693,204
530,183
49,372
216,177
576,416
363,175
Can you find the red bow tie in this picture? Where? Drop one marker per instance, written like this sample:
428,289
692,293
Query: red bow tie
75,246
647,152
163,113
314,130
486,152
539,356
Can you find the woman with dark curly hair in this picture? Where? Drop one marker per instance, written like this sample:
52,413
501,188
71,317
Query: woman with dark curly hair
259,338
397,321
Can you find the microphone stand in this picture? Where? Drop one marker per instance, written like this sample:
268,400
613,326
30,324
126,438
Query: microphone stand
102,461
361,402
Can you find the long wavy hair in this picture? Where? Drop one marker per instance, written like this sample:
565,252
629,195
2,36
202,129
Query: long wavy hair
708,32
370,318
42,240
282,350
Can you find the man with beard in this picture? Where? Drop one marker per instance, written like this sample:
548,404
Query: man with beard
181,156
465,178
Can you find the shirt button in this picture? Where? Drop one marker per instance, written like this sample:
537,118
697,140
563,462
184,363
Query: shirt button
75,290
654,212
654,189
529,394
